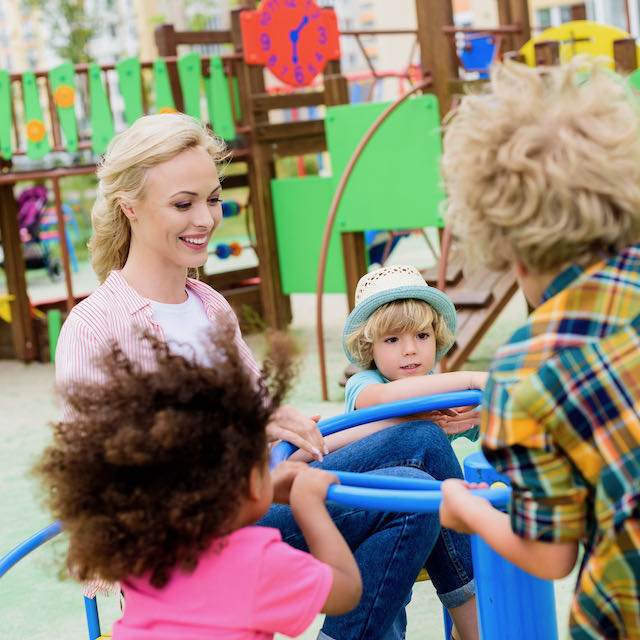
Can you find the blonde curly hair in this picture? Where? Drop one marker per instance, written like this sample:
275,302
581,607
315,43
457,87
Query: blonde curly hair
545,168
150,141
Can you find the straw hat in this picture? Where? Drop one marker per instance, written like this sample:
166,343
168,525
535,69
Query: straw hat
396,282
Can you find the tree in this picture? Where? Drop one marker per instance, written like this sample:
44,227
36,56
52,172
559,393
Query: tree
72,27
199,13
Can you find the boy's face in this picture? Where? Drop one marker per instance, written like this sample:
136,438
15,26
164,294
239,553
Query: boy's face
402,355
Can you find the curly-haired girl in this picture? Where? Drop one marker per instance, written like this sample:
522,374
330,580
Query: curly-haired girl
174,468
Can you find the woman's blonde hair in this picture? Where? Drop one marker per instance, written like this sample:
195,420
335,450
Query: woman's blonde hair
546,168
399,316
150,141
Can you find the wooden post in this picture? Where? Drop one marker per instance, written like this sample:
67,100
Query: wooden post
520,16
504,19
625,55
547,53
436,51
579,12
14,267
516,12
276,306
166,42
62,239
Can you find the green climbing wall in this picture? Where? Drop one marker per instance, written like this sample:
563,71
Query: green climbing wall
395,185
302,205
396,181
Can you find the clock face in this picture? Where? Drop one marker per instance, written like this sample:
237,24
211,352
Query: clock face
293,38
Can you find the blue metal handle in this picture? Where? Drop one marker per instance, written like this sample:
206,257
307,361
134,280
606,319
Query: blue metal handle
381,412
389,493
404,501
393,493
28,545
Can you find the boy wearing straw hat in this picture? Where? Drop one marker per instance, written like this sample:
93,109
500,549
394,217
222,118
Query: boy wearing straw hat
398,330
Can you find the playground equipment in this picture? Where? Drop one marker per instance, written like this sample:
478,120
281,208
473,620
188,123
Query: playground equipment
231,93
511,602
508,598
69,109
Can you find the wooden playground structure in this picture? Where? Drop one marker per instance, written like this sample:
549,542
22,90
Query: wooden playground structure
241,109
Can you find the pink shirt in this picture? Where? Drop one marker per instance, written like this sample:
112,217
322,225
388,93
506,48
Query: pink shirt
254,587
110,313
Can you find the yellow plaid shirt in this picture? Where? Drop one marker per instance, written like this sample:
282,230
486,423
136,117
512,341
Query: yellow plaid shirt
561,418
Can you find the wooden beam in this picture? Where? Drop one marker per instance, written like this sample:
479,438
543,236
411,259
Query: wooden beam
167,43
14,268
519,11
299,146
288,100
287,130
625,55
276,306
436,50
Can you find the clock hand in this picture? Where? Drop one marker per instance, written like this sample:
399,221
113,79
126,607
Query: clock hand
294,36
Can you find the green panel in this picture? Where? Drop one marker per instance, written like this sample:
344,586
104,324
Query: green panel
219,101
61,76
33,114
634,79
102,129
396,181
130,83
300,208
162,86
190,72
5,115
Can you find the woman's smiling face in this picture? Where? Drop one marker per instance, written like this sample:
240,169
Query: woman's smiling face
172,225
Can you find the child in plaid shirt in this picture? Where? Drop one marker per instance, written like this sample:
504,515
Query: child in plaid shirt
543,176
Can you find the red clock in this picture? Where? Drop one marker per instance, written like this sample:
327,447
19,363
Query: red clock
293,38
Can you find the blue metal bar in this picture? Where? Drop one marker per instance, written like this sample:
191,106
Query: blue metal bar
381,412
93,622
32,543
403,501
28,545
376,481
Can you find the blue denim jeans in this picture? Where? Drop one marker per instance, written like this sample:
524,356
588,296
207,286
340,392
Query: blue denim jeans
391,548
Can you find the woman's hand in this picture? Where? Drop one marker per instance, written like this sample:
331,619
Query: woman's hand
301,431
282,478
457,421
457,503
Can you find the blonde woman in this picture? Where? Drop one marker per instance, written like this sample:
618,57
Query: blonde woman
543,177
158,204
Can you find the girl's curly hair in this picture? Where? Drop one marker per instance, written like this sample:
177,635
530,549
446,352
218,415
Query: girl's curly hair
153,465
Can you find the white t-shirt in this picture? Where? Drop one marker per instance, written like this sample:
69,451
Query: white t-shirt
184,325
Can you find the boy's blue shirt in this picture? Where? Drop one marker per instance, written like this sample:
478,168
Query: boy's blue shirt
357,382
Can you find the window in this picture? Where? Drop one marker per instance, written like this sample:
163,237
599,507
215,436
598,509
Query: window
614,14
565,14
543,17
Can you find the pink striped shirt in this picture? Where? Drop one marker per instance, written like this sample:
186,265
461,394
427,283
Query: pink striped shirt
110,313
